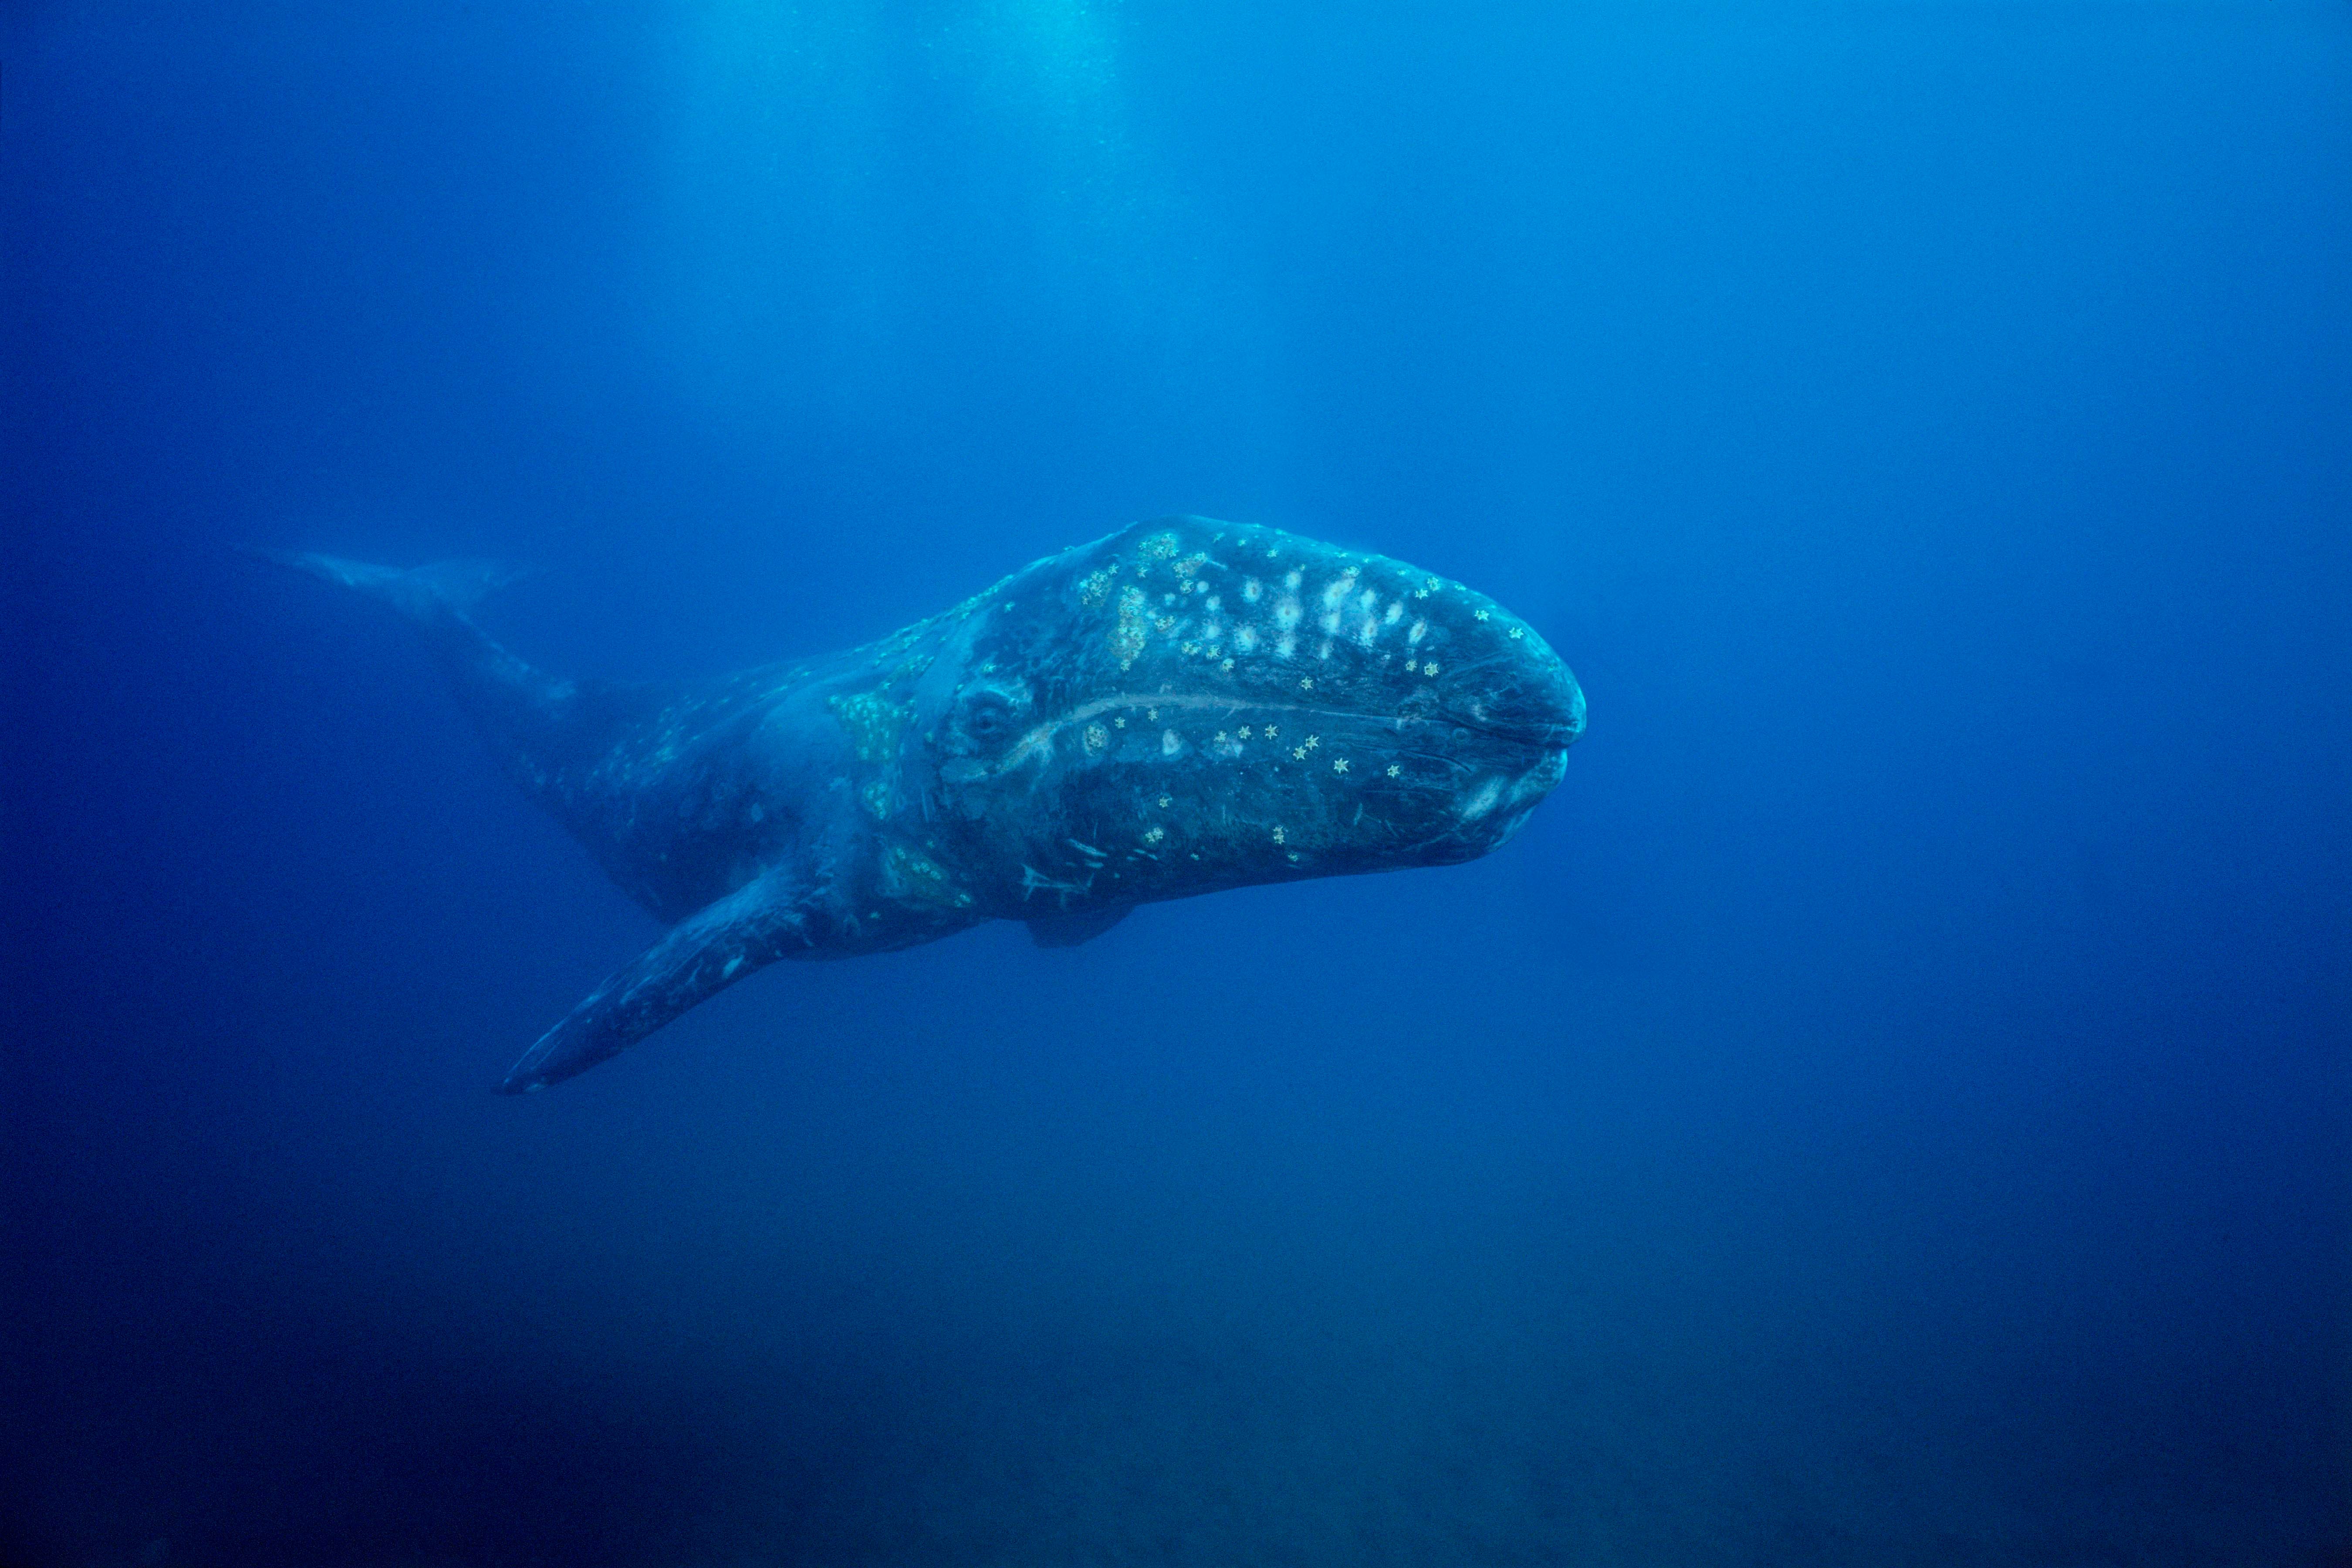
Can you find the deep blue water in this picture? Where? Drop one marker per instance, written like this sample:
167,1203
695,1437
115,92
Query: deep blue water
1890,1107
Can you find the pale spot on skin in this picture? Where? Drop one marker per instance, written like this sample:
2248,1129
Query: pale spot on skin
1291,580
1252,589
1170,743
1395,613
1285,645
1285,613
1245,639
1213,603
1418,630
1330,624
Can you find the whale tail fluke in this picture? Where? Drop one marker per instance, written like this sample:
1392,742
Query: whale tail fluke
420,593
549,733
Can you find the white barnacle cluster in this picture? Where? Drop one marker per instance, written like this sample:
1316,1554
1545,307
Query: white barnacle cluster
1098,740
1127,636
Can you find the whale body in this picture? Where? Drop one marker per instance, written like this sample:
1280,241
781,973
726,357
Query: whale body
1184,707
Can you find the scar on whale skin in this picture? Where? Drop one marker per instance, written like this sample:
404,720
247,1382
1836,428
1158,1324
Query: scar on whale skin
978,765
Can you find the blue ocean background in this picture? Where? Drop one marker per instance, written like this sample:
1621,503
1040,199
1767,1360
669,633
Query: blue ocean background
1890,1107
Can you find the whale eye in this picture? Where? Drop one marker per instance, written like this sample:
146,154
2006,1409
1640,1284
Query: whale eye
987,716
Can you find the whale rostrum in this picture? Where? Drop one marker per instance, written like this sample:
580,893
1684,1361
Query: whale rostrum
1184,707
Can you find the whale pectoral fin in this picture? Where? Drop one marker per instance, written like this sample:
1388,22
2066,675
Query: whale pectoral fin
1068,930
702,955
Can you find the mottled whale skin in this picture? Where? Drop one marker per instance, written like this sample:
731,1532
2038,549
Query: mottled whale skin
1184,707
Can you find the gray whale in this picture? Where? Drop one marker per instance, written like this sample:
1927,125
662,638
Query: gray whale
1184,707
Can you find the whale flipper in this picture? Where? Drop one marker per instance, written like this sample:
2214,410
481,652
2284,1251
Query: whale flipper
760,922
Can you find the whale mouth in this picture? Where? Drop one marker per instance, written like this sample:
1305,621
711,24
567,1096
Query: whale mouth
1530,736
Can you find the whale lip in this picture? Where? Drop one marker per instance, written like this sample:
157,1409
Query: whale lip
1544,713
1533,736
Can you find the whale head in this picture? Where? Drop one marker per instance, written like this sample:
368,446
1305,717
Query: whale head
1189,706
